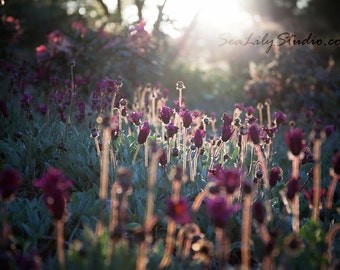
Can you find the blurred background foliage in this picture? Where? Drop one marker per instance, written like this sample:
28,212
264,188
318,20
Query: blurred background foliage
188,50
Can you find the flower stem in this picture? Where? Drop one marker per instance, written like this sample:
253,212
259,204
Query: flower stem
316,177
246,232
60,243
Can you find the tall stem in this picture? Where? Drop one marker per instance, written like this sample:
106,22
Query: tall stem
246,232
316,178
60,243
296,207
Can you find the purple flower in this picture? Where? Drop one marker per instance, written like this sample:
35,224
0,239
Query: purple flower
219,211
163,159
280,117
329,130
42,109
336,163
275,175
9,182
198,137
55,186
259,212
227,132
292,188
171,129
227,119
81,108
250,110
178,210
294,141
254,133
143,132
230,179
165,114
135,117
186,118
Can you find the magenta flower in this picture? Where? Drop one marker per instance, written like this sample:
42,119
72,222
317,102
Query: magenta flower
250,110
10,181
198,137
135,118
143,132
178,211
336,163
81,108
227,119
171,129
165,114
43,109
230,179
55,186
294,141
186,118
219,211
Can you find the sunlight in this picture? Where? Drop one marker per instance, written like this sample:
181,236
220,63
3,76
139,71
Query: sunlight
213,15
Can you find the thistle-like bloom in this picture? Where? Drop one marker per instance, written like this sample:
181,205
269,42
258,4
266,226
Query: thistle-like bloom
135,118
171,129
275,175
186,118
294,141
10,181
254,133
178,211
336,163
227,119
165,114
198,137
230,179
143,132
249,110
219,211
55,186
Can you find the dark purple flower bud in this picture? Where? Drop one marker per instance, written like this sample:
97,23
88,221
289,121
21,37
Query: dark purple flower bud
280,117
329,130
336,163
227,132
42,109
219,211
198,138
230,179
143,132
294,141
179,210
135,117
55,186
171,129
10,181
292,188
247,187
275,175
254,133
163,159
165,114
4,108
259,212
186,118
